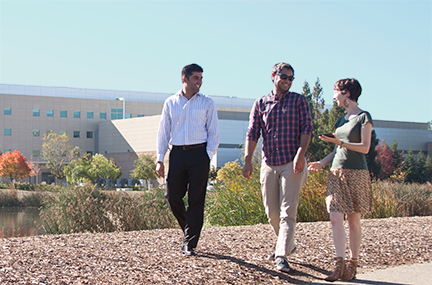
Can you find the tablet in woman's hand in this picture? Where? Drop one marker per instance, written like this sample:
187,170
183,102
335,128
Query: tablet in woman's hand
330,135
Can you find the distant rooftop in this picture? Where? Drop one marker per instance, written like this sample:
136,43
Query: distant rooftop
101,94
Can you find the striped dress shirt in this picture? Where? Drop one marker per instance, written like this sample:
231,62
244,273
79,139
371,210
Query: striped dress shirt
188,122
281,122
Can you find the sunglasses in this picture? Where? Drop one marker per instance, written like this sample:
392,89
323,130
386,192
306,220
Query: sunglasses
285,77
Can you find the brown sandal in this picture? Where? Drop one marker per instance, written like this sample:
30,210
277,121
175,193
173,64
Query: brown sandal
338,271
351,270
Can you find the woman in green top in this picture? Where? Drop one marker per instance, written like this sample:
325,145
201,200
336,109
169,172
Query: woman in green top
348,187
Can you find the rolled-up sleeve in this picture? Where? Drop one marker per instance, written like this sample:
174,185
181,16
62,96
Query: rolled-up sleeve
306,124
164,132
254,128
212,130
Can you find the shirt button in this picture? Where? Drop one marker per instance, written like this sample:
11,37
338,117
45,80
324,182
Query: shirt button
276,148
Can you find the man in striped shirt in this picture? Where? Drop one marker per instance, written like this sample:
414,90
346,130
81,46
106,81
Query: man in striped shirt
189,123
284,120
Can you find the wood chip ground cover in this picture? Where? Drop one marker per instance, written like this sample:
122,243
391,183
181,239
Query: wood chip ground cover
226,255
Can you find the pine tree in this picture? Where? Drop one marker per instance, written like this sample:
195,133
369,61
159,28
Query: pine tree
428,169
398,157
420,169
410,167
373,165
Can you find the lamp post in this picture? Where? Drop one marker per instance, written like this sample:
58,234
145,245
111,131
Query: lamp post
124,104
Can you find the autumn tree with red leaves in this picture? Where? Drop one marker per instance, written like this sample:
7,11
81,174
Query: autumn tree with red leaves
13,165
386,160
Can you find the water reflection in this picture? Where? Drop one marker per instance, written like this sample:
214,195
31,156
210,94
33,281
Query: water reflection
18,222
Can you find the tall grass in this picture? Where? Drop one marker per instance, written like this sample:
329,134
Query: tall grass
13,198
237,201
87,209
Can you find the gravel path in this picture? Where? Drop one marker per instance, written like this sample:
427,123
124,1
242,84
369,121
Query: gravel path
226,255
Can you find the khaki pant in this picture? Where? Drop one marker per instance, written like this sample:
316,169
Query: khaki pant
280,188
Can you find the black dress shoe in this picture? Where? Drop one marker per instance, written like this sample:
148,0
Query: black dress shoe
186,250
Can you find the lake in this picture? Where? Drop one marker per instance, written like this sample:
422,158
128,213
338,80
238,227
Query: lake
19,222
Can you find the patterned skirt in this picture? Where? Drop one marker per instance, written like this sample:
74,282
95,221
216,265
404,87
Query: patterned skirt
349,191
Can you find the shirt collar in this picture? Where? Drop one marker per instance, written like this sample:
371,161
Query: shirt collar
180,94
273,96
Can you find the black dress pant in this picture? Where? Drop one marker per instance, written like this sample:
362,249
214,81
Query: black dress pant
188,172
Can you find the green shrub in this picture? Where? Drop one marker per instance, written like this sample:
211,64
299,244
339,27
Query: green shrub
312,205
235,200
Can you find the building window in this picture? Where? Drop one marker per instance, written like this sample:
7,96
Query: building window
36,113
62,132
8,111
36,133
89,115
116,114
7,150
128,116
77,114
89,135
7,132
102,116
49,132
50,113
76,134
63,114
90,152
140,115
36,153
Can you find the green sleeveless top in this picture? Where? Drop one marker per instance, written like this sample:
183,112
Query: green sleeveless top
350,131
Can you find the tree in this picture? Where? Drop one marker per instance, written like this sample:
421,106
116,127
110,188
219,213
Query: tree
385,160
13,165
91,169
144,168
322,122
398,157
427,174
410,167
420,169
58,152
373,166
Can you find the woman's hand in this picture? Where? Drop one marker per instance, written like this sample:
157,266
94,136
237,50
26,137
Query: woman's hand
315,166
334,139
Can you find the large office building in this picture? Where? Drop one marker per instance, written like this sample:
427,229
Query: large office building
123,124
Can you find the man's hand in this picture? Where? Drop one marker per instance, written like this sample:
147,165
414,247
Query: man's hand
299,163
160,169
247,169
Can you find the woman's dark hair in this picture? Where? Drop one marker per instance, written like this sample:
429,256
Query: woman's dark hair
188,69
350,85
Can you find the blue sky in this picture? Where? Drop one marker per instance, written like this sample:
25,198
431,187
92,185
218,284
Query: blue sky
143,45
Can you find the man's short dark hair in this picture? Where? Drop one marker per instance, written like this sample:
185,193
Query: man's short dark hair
188,69
277,68
350,85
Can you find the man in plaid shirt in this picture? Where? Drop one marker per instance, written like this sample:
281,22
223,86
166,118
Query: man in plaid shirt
284,120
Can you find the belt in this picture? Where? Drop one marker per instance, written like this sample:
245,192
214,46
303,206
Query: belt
191,146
